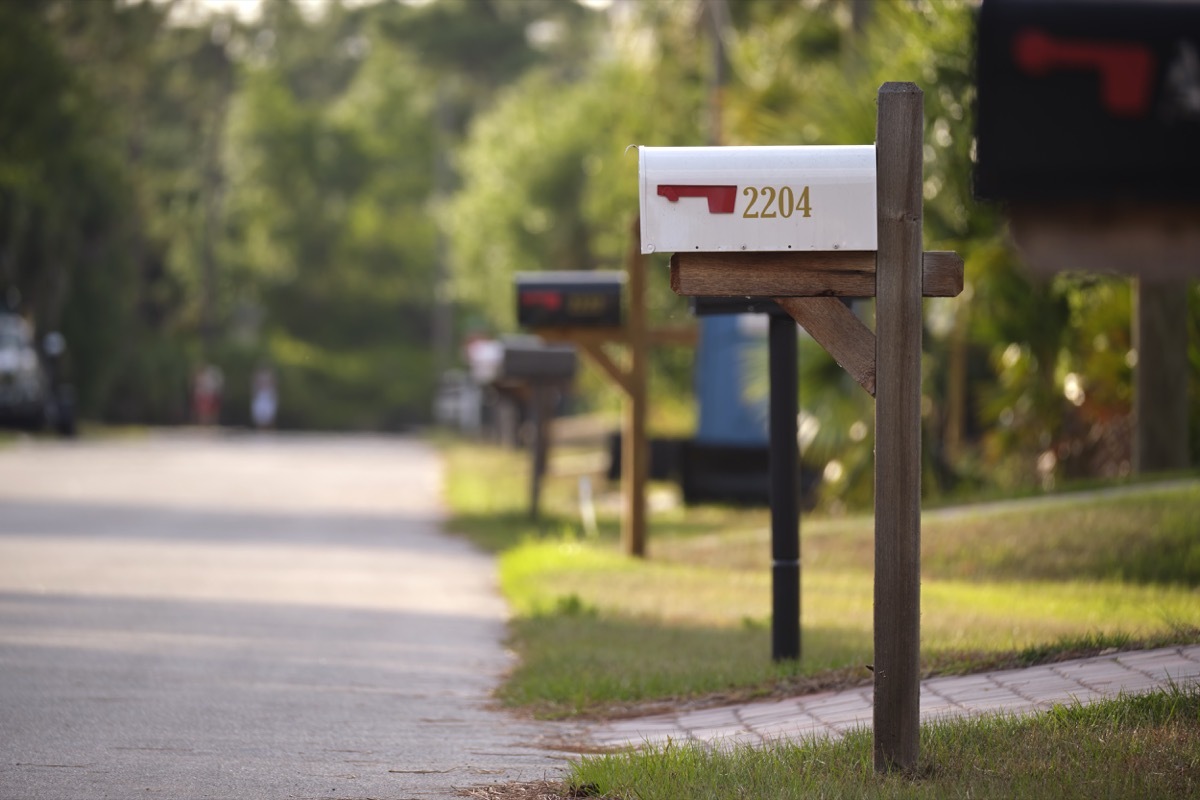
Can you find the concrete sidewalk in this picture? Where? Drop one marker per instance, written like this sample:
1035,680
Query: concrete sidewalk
832,714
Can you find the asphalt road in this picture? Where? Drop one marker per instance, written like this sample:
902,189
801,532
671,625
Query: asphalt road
199,616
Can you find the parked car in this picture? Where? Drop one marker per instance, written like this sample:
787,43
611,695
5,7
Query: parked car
32,395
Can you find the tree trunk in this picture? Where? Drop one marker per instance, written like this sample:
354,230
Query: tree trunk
1160,401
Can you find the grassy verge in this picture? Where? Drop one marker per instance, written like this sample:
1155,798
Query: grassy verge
599,634
1132,747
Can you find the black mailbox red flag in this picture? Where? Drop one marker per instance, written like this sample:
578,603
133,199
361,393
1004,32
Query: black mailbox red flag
580,299
1088,100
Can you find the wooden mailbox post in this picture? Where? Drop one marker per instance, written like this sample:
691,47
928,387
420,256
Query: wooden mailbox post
538,371
594,324
807,262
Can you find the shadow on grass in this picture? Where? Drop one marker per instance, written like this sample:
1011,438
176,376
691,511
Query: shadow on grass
1150,538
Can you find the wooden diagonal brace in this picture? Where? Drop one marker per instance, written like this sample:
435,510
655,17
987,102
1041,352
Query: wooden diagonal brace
600,358
833,325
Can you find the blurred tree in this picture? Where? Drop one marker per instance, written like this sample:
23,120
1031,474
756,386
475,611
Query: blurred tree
135,101
63,199
45,131
1007,357
178,189
330,236
468,50
545,187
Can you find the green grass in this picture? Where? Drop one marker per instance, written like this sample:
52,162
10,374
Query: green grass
1143,535
599,634
1131,747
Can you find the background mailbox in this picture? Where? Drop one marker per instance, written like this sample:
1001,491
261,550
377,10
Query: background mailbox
1088,100
714,199
532,361
569,299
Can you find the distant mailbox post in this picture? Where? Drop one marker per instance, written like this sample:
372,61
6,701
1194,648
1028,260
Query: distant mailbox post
585,309
733,199
540,371
569,299
535,362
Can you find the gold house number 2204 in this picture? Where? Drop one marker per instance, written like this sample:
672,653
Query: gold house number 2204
781,202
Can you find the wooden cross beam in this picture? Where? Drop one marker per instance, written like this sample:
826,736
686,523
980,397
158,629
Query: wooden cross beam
807,274
663,336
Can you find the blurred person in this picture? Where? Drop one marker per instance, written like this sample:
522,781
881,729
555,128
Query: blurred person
264,399
206,394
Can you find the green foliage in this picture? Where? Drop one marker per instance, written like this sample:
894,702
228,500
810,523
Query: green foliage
520,208
86,220
546,188
330,236
1026,381
304,190
482,41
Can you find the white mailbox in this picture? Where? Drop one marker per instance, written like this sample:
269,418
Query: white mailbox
715,199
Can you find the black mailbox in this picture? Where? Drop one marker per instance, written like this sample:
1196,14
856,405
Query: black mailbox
569,299
533,361
1088,100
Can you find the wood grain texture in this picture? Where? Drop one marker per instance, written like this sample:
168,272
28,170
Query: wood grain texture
635,456
849,274
843,335
941,273
773,274
898,321
1160,378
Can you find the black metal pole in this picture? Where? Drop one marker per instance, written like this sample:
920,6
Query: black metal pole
539,447
785,507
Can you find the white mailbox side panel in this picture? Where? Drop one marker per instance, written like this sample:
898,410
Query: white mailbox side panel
712,199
